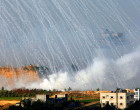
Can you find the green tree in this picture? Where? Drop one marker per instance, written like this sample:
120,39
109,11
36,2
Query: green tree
2,88
69,89
98,89
65,89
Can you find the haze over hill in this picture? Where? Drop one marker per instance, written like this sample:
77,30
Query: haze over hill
86,44
11,78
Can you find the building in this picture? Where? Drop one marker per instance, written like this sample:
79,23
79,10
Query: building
46,98
119,99
137,94
130,90
20,104
57,98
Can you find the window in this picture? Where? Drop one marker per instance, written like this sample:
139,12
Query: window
121,97
121,103
111,97
103,97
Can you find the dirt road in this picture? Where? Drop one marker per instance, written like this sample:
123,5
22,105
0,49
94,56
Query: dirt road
6,103
91,103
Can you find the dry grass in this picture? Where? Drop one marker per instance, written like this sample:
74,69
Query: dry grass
12,102
6,103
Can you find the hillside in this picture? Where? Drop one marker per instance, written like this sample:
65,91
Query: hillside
12,77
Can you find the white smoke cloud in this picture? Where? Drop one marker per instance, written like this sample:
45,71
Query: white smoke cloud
102,73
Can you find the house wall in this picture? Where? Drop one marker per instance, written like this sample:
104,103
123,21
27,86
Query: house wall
108,98
61,96
120,100
41,97
137,94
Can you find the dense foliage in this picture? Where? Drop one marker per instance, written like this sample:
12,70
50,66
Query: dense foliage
135,106
23,92
38,105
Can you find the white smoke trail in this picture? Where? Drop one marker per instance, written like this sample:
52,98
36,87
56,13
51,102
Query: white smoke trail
103,73
59,33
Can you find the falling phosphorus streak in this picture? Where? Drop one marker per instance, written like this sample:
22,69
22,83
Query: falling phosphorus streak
95,37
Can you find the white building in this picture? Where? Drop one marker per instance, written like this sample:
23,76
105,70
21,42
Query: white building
120,100
137,94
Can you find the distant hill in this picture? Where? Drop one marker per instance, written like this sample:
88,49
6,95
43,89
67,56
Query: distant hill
13,77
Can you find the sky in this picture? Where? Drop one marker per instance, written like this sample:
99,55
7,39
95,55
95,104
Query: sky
60,33
36,31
